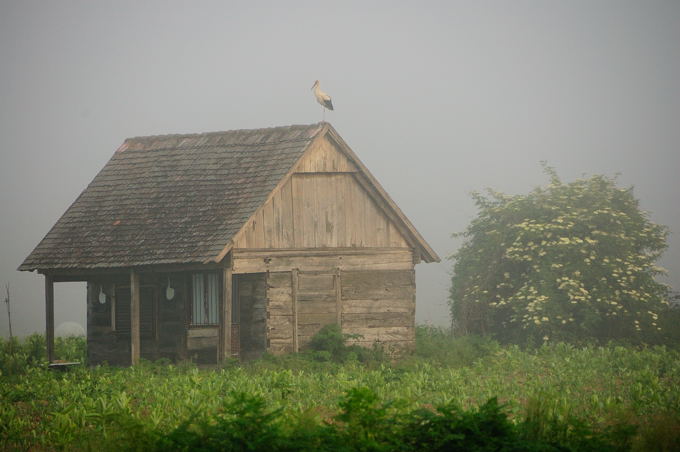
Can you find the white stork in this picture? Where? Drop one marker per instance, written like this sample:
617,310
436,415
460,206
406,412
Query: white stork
322,98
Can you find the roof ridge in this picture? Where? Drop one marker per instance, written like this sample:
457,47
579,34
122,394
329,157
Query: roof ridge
222,132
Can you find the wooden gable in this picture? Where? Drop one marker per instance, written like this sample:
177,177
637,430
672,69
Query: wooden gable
325,202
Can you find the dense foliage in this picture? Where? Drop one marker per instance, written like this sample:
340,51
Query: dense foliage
474,395
566,262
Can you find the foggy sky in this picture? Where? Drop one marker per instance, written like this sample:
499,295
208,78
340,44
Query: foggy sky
438,99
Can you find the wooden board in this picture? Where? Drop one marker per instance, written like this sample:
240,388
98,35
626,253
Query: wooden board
376,319
202,338
369,306
344,259
384,334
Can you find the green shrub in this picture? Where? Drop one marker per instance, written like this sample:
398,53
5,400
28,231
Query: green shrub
565,262
330,344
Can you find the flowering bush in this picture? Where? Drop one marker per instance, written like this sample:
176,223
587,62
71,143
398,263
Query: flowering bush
569,261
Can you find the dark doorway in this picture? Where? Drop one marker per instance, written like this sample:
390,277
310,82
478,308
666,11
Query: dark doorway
249,316
148,318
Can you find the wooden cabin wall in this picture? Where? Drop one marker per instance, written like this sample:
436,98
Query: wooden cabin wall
322,205
315,210
377,304
381,307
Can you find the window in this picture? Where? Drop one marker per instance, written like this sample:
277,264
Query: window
205,299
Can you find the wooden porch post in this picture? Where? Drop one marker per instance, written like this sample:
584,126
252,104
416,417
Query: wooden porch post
224,349
49,317
134,317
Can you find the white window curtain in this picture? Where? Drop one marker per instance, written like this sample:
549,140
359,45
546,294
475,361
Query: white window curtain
205,299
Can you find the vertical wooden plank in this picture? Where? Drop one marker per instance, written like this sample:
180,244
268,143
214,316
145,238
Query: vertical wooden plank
241,240
332,206
224,347
338,297
311,211
287,239
298,209
294,290
155,314
276,240
321,189
258,233
347,212
305,212
268,224
49,317
113,306
362,220
135,302
339,203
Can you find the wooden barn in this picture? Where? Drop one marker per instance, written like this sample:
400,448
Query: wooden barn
212,245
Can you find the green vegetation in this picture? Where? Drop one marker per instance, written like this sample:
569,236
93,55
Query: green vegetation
568,262
453,394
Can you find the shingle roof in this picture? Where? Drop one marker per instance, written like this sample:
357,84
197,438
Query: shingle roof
171,199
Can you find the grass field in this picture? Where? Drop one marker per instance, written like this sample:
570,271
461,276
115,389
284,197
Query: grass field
555,397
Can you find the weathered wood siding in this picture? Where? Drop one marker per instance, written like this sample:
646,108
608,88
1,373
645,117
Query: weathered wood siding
317,304
280,320
348,259
323,204
323,157
379,305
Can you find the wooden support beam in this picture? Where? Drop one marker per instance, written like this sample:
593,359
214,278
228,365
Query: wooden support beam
224,343
294,290
113,306
49,317
135,302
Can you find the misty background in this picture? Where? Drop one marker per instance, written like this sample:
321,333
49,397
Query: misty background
437,98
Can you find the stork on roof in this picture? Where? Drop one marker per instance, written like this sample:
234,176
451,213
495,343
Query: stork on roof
323,98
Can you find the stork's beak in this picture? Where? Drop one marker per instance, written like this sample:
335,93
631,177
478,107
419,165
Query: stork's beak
315,84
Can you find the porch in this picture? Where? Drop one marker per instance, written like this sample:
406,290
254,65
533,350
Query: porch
200,313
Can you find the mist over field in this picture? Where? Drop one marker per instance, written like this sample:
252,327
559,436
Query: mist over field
438,99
